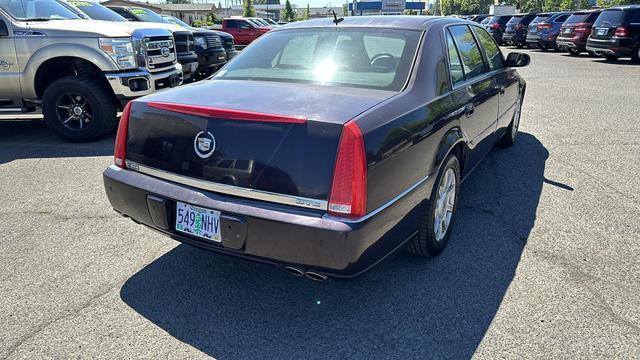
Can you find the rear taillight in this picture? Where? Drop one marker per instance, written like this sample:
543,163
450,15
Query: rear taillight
495,26
621,32
120,151
349,188
544,26
581,28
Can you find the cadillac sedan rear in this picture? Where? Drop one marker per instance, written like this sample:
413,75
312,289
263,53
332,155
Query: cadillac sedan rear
263,161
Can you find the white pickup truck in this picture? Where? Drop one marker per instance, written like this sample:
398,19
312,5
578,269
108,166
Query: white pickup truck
78,72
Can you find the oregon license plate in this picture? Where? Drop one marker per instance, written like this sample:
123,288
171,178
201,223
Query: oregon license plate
602,31
533,29
567,30
198,221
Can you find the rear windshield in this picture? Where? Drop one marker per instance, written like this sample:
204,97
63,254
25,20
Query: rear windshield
96,11
540,18
368,58
514,20
610,18
577,18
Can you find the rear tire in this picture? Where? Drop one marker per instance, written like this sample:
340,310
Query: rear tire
96,111
442,208
510,136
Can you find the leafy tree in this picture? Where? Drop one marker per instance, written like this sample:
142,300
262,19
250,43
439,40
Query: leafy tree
307,13
249,11
289,14
608,3
345,10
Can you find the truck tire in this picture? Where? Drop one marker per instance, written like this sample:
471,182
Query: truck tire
79,109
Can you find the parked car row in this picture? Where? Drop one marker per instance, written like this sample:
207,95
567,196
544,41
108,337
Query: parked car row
80,62
612,32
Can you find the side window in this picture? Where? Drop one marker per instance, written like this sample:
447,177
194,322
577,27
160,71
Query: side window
243,25
562,18
490,48
231,24
472,62
455,65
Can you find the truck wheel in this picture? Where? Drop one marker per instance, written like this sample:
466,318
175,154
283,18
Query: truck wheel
78,109
437,223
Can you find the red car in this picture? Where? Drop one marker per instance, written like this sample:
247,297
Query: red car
576,30
244,31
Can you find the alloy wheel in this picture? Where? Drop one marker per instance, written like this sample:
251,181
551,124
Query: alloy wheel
445,203
74,111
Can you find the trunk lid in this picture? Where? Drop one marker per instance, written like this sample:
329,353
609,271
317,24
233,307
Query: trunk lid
270,137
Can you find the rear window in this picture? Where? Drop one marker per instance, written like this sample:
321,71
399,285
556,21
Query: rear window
368,58
610,18
514,20
540,18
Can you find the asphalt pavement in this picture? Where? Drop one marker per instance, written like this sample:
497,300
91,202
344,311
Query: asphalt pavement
544,260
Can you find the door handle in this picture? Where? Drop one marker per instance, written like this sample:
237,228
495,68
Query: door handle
501,89
468,110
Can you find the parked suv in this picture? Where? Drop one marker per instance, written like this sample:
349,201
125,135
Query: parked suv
575,31
185,43
516,30
544,30
616,33
497,25
79,72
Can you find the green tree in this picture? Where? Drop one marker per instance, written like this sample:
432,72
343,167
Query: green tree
608,3
289,14
249,11
307,13
345,10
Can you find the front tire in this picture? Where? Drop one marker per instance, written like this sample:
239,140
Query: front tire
437,223
79,109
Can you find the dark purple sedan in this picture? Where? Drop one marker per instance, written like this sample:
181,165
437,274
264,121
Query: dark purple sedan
323,147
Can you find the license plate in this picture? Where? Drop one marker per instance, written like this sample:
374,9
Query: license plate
567,30
602,31
533,30
198,221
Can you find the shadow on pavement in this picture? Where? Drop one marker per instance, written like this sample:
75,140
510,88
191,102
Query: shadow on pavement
28,139
407,307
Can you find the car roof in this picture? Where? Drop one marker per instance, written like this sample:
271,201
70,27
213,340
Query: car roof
624,7
381,21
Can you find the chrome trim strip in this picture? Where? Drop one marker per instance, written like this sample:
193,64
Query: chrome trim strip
382,207
229,189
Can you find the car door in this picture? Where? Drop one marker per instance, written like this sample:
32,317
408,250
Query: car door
505,80
10,92
474,89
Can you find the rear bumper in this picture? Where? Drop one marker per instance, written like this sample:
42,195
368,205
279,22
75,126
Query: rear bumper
614,46
514,38
548,40
573,43
275,234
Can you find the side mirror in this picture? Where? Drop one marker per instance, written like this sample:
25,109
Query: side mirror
515,59
4,31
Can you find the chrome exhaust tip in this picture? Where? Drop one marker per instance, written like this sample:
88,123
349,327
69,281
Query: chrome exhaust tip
315,276
294,271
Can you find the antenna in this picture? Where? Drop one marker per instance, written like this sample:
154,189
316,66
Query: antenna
336,19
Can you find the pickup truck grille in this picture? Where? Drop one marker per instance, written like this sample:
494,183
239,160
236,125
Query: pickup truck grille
159,59
184,42
214,41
